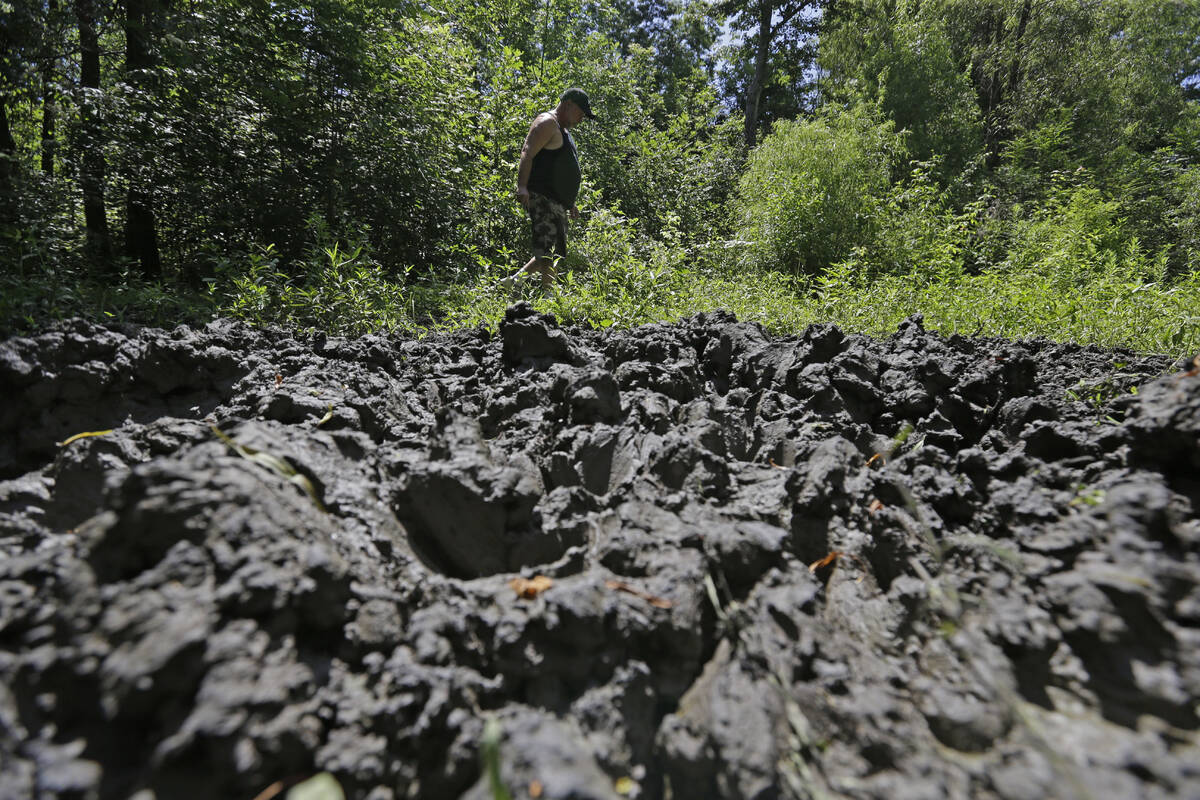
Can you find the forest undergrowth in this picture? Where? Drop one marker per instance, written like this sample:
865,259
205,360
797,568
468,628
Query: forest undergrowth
608,283
1004,169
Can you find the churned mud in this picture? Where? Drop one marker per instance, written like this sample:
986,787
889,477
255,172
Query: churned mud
685,561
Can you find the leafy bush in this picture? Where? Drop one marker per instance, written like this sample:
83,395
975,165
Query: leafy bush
1185,218
1078,236
914,231
809,193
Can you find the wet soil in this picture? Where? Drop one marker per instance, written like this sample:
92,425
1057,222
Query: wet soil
685,561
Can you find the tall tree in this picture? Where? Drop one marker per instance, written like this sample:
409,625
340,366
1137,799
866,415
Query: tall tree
49,89
902,57
141,238
8,151
997,71
765,23
92,165
15,32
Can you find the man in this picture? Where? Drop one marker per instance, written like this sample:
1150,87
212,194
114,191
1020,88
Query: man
548,183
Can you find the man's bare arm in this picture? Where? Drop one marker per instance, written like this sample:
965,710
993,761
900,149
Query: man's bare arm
541,132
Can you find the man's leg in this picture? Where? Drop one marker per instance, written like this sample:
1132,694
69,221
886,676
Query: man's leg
542,266
548,225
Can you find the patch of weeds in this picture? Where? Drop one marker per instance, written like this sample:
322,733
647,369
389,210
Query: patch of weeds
336,288
617,277
1117,301
490,755
1086,496
1100,393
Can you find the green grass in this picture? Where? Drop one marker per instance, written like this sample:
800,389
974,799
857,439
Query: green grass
27,303
615,280
1109,312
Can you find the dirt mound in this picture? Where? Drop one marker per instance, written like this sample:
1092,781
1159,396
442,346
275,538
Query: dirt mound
685,561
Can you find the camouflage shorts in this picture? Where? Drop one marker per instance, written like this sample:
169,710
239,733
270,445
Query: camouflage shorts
549,222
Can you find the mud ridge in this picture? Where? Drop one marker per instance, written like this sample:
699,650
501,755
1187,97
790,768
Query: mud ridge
816,566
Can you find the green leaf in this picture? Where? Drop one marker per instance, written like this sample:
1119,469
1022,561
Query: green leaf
319,787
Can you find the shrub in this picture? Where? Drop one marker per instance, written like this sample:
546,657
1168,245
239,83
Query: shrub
1078,236
1185,218
914,232
810,190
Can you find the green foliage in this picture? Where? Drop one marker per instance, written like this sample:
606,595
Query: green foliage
1184,216
618,276
319,787
632,280
1116,307
809,193
915,231
43,280
351,111
901,56
337,289
1071,238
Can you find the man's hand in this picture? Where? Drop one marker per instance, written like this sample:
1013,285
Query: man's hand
574,212
523,196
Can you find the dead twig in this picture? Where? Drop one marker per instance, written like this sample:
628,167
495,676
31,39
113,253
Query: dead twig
654,600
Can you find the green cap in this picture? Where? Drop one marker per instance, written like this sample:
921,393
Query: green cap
579,97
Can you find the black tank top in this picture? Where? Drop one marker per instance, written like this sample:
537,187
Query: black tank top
555,173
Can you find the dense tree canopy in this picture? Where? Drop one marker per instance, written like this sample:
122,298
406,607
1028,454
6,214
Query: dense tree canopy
231,146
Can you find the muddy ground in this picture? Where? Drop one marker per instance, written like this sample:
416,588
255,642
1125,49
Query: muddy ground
685,561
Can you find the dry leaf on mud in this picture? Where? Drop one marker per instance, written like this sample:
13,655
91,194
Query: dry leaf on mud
84,435
833,556
535,789
654,600
328,416
529,588
625,786
874,458
776,466
278,380
274,463
876,505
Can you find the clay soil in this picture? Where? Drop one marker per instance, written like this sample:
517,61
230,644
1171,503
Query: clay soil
686,561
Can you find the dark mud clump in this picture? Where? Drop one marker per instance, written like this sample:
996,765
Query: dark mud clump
817,566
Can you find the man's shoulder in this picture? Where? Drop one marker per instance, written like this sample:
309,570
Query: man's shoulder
545,119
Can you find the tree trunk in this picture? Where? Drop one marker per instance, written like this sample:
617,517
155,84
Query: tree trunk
993,93
141,240
1001,89
8,155
49,125
1014,69
49,100
761,55
92,167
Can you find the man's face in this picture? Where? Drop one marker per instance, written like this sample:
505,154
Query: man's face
574,115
